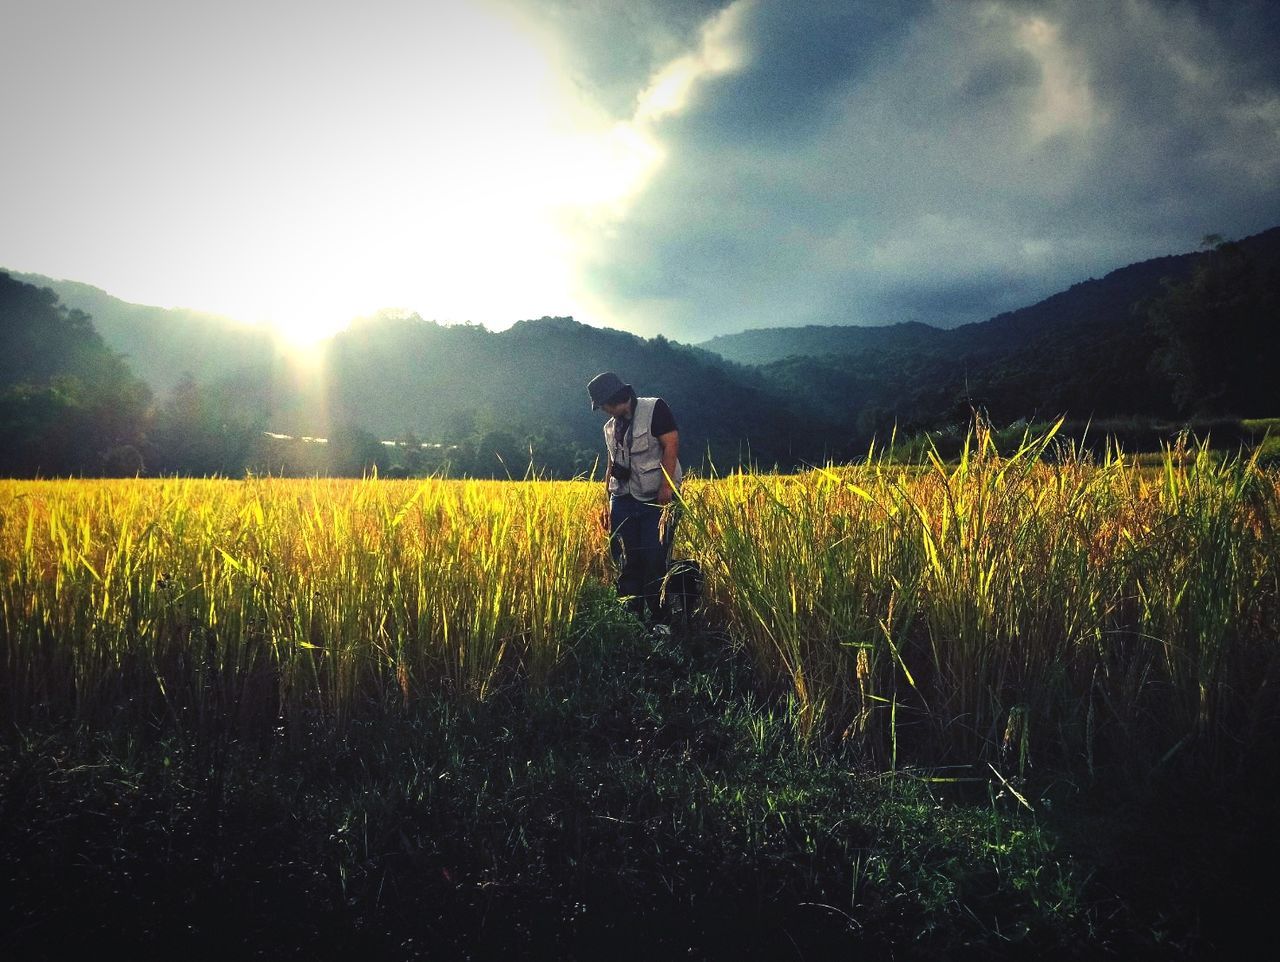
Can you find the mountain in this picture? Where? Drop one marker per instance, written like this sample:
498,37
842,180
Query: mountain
1178,337
68,404
403,377
410,376
1100,303
1096,349
161,344
767,344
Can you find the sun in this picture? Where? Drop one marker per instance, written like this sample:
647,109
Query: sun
461,193
439,160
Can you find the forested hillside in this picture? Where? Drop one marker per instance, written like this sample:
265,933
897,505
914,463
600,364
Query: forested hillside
68,404
1193,336
527,383
1102,303
1159,344
164,344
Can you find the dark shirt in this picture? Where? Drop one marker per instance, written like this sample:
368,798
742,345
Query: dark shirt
664,422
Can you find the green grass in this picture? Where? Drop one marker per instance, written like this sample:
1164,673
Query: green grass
645,803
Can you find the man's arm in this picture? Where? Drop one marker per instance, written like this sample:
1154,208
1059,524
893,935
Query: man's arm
670,443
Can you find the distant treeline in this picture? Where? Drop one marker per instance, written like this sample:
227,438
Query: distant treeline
1187,342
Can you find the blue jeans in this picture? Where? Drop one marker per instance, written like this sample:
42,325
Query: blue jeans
636,543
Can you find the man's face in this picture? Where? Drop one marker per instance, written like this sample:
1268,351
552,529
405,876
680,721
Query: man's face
620,410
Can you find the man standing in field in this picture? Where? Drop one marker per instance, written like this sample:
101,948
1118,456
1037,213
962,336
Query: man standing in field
643,444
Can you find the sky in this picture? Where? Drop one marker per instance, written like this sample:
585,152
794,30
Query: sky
683,167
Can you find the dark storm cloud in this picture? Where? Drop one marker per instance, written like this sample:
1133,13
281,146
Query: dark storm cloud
610,48
1002,76
942,162
796,60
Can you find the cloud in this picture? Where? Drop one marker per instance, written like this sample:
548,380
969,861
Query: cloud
861,162
610,50
689,167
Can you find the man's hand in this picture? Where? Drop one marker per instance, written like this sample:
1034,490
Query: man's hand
604,519
670,443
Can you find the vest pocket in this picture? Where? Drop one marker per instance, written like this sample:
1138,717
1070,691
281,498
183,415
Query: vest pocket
646,466
645,481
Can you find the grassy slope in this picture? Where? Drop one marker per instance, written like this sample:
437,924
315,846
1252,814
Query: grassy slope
649,804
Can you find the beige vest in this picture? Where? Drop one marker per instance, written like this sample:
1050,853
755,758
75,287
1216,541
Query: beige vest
639,451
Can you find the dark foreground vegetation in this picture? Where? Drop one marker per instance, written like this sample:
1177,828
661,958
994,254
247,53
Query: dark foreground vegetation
648,803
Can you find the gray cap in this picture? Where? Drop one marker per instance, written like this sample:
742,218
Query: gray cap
604,386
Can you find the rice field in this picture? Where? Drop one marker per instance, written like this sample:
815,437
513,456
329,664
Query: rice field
1005,607
256,602
1009,608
